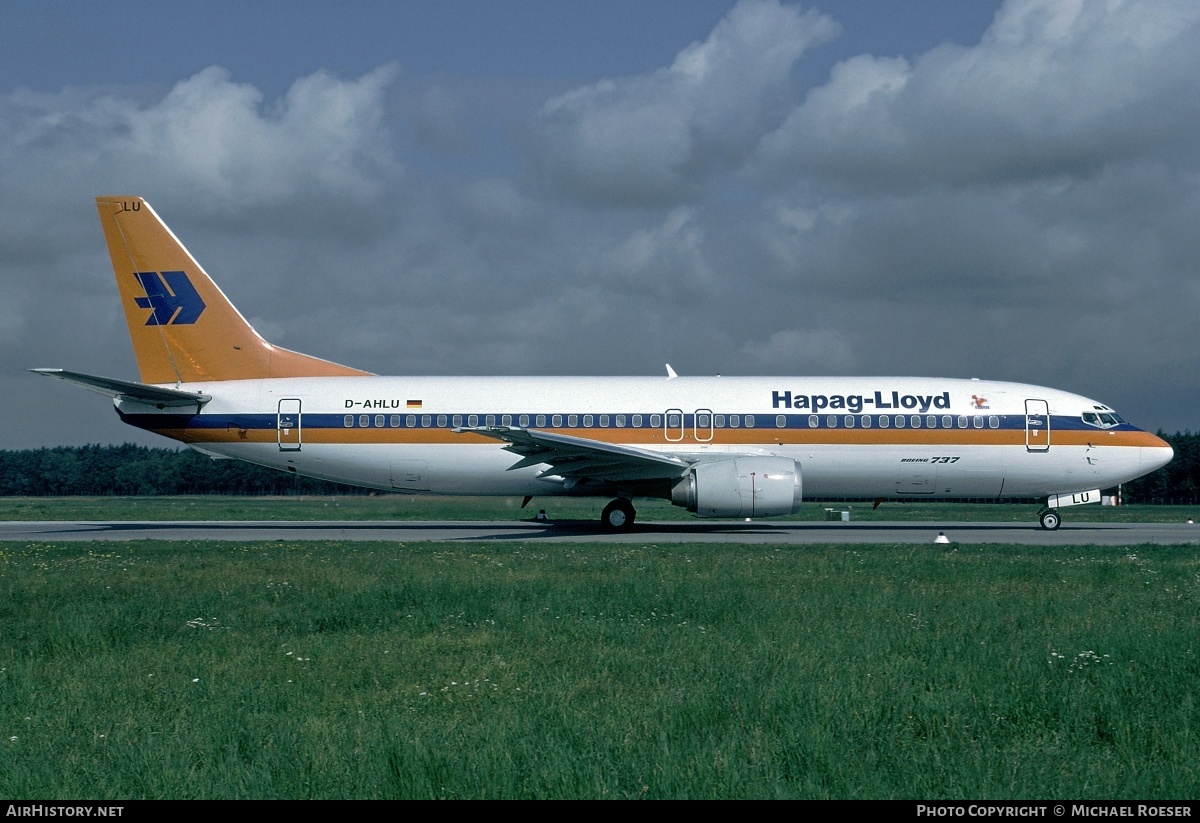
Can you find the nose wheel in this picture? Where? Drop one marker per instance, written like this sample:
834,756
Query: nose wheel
1050,519
618,515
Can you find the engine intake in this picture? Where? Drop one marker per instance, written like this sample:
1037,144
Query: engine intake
740,487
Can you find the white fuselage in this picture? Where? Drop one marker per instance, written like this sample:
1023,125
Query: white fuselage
869,437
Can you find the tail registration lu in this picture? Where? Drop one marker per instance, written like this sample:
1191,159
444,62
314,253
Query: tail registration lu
719,446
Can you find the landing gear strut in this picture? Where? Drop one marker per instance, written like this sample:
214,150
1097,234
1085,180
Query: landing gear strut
1050,519
618,515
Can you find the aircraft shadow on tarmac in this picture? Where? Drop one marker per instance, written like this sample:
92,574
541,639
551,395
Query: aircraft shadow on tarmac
533,530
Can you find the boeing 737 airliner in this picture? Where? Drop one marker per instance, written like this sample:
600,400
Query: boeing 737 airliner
719,446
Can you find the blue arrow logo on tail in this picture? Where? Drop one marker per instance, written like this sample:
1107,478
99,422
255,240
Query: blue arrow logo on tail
171,295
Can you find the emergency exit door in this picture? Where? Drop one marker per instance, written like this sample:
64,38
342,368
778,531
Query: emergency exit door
287,425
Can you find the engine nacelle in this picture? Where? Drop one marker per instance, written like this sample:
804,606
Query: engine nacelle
740,487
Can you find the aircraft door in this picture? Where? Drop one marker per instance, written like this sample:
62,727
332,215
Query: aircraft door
410,475
1037,425
703,425
287,425
673,425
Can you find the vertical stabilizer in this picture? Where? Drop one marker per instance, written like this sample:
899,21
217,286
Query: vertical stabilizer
183,328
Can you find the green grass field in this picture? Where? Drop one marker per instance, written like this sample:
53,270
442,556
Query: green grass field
333,670
406,507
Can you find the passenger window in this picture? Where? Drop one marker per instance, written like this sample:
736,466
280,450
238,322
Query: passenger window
655,421
977,422
379,421
899,421
637,421
915,422
587,420
813,421
931,422
780,421
458,420
994,422
441,420
749,421
962,421
556,420
866,421
734,421
348,421
947,421
541,420
426,420
620,420
718,420
831,421
490,420
506,420
884,421
411,421
394,421
473,420
572,420
524,421
604,421
364,421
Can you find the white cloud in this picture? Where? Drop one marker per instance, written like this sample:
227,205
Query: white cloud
324,136
667,261
1053,88
802,351
210,137
653,138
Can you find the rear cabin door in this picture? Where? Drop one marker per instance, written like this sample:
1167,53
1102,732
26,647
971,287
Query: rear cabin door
1037,425
287,425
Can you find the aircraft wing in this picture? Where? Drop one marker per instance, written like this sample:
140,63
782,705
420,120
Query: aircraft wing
579,458
140,392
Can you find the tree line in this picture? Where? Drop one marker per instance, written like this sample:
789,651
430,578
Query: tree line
1176,482
101,471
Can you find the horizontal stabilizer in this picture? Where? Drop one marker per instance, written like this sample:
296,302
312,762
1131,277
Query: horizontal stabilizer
140,392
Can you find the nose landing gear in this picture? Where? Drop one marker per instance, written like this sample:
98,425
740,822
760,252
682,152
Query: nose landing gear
1050,519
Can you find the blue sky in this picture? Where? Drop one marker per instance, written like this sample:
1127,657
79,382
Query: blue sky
1003,190
47,45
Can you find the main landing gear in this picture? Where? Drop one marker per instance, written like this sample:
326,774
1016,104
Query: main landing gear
618,515
1050,519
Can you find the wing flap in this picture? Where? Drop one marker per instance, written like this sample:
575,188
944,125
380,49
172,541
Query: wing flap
579,458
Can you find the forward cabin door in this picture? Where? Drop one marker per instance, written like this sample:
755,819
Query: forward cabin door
1037,425
287,425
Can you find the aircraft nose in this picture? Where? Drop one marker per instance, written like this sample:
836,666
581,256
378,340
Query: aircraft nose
1156,456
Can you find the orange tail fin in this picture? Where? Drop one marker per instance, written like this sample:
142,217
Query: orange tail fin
183,328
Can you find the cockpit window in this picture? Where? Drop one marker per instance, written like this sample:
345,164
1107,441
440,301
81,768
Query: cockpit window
1102,420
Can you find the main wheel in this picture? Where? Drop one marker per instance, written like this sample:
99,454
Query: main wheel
618,515
1050,520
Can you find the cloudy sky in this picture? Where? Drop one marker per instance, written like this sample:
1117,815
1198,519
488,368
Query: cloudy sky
1002,190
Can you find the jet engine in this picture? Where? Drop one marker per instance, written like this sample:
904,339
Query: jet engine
740,487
